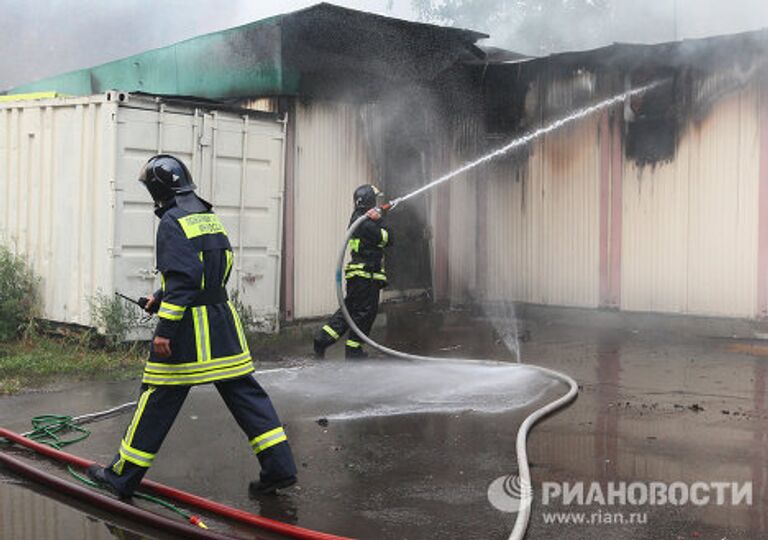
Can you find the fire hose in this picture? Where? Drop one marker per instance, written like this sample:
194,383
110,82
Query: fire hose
114,505
526,495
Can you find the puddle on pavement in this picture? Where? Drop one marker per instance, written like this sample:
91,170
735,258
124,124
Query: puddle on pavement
409,450
385,448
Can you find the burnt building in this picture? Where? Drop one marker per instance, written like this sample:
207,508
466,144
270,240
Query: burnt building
658,203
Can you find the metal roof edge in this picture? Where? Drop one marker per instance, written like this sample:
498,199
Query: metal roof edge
136,99
328,5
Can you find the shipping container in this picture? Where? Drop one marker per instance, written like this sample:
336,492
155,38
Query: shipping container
71,205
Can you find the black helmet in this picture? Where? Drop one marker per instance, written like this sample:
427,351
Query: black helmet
165,177
366,196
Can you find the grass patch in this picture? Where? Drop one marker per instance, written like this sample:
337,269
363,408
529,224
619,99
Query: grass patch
38,360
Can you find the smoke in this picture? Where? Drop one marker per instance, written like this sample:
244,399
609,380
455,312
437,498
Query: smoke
540,27
46,37
41,38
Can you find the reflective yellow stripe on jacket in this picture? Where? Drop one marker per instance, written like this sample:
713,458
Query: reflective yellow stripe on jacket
170,311
196,225
198,372
384,238
205,367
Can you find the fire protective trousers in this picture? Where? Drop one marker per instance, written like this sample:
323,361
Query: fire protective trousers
362,301
157,409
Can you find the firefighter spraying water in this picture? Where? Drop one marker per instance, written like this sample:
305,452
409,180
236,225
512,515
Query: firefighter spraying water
365,275
198,324
526,491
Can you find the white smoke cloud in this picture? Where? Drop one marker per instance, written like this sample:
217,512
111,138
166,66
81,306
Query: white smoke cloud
45,37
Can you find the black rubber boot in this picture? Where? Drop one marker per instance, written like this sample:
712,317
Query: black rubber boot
355,353
266,487
319,349
98,475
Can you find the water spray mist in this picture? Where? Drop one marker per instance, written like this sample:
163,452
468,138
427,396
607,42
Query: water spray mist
529,137
524,513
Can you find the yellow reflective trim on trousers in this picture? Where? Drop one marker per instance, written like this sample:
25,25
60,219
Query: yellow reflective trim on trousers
212,376
381,277
239,326
354,344
270,444
136,456
354,245
230,260
268,439
138,414
355,266
131,431
331,332
384,238
125,456
202,333
196,225
266,435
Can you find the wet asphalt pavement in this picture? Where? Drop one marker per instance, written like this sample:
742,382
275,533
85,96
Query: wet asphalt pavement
389,449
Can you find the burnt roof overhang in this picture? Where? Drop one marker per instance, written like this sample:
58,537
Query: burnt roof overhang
703,52
323,48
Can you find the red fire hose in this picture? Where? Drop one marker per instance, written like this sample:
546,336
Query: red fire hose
108,503
290,531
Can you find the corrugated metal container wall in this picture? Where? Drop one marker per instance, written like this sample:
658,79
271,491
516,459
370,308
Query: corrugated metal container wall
331,161
237,164
72,204
454,147
543,222
690,226
55,195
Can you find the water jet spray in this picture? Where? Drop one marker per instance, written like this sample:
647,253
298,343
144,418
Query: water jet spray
526,493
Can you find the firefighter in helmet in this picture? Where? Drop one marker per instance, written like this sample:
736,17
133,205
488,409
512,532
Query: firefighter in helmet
365,276
199,339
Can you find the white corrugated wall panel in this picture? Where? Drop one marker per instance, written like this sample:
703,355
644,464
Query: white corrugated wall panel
70,202
331,161
55,193
689,241
463,191
462,238
543,222
507,263
237,164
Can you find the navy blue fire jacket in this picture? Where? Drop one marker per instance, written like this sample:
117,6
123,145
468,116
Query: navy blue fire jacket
208,344
366,248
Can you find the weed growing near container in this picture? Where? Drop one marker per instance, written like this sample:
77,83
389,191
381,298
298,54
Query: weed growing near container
114,318
244,311
19,298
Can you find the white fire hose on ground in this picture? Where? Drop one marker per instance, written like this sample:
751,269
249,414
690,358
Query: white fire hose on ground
526,495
